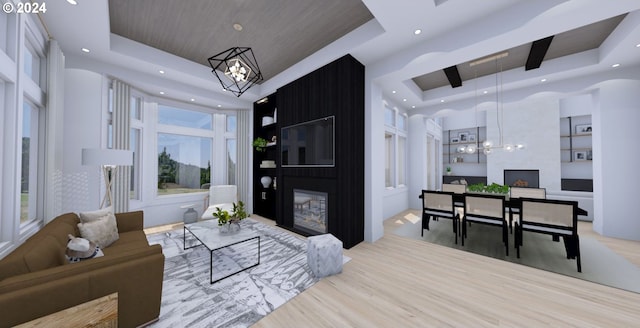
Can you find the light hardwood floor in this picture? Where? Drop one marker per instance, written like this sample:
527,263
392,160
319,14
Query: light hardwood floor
400,282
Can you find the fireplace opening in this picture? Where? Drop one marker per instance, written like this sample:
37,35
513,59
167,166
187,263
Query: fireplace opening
522,178
310,211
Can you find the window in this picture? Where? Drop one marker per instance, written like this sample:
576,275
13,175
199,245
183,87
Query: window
184,163
402,122
135,146
402,142
231,123
395,147
29,163
34,64
8,34
231,161
23,95
135,107
186,118
389,116
389,160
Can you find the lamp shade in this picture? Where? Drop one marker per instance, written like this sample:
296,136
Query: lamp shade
97,156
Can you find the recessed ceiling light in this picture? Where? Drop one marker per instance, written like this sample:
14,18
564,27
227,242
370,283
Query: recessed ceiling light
219,106
161,92
405,99
441,100
638,45
543,80
73,2
414,106
85,50
485,92
394,91
161,71
193,99
615,65
418,31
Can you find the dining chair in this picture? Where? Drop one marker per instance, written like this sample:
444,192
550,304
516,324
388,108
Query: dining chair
458,189
485,209
523,192
553,217
439,204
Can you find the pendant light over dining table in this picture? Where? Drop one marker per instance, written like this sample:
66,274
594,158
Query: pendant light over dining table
488,146
236,68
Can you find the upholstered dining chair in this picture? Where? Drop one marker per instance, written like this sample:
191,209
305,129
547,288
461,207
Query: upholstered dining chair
439,204
457,189
222,196
485,209
553,217
523,192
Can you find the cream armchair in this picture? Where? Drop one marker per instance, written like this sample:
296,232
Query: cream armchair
222,196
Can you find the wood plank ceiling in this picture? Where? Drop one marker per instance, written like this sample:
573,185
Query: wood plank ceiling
280,32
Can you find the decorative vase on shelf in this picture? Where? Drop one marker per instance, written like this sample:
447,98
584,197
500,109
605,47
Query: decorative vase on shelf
266,181
267,120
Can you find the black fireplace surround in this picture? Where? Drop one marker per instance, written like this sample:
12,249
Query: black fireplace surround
522,178
336,90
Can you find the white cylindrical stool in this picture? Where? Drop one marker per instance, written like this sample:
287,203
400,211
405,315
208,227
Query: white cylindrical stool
324,255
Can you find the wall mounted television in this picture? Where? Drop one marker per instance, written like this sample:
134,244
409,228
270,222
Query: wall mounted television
310,143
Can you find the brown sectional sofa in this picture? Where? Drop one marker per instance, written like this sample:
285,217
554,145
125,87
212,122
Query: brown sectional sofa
36,278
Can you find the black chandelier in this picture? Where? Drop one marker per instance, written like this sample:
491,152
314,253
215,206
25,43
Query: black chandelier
239,67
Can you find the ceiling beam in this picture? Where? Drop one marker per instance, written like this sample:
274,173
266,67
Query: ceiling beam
538,51
453,76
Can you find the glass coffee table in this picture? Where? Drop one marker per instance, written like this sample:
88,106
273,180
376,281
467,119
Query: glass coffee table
209,235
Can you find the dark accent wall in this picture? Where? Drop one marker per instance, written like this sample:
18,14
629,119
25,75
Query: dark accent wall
336,89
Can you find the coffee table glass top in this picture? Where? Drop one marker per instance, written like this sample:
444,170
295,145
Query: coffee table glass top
208,233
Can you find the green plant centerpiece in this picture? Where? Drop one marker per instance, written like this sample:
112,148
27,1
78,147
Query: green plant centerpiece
260,144
230,221
493,188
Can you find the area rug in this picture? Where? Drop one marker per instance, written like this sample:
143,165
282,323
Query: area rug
599,263
190,300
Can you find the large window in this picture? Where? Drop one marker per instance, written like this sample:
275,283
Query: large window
395,147
135,145
184,163
29,168
23,97
185,144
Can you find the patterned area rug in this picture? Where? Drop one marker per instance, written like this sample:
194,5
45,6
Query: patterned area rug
189,300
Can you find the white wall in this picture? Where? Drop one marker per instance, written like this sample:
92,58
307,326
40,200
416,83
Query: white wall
615,164
535,124
373,160
83,119
419,129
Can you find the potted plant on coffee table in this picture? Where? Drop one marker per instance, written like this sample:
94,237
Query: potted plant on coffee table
230,221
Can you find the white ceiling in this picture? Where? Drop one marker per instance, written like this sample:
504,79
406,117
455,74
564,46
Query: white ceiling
453,32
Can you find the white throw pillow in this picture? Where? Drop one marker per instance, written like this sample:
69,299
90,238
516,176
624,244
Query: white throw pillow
94,215
102,231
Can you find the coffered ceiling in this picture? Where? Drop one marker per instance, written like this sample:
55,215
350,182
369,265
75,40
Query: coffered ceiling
134,40
563,44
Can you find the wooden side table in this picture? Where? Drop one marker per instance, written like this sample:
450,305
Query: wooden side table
99,313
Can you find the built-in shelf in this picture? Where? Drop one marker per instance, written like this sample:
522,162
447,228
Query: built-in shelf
463,137
576,153
265,199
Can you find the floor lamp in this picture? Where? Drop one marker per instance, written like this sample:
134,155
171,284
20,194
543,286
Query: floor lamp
109,160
